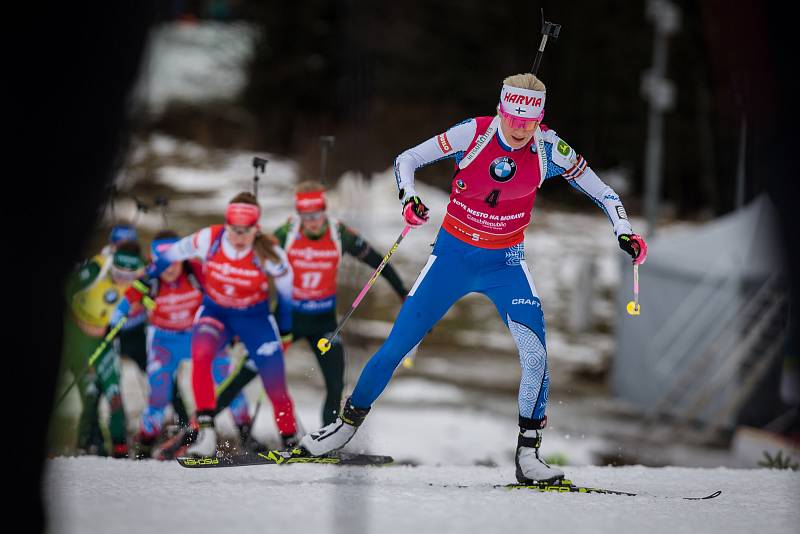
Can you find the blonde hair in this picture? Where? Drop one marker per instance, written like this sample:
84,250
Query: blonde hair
525,81
265,242
308,186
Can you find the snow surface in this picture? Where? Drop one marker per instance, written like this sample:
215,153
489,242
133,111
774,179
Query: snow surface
448,437
118,496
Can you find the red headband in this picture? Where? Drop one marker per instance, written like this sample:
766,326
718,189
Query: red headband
241,214
309,201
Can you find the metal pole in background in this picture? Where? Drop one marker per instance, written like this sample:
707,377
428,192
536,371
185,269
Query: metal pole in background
162,202
740,164
326,143
259,164
660,93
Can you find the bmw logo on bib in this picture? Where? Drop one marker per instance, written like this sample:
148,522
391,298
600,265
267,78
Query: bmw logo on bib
110,296
503,169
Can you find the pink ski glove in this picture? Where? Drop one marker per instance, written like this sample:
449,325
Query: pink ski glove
634,245
415,212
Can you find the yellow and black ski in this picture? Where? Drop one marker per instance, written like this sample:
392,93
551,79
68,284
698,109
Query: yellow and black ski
275,457
566,486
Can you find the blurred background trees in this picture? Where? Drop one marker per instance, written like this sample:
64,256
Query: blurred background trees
385,76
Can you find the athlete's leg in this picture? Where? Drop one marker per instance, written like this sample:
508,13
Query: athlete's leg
132,343
449,274
259,333
177,403
332,366
511,288
221,369
231,387
445,278
209,334
108,377
77,348
312,327
164,351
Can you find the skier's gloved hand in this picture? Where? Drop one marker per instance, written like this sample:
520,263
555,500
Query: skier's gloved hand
634,245
415,212
139,291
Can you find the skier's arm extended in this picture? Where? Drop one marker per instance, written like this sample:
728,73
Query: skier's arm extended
195,245
449,144
192,246
281,273
357,246
564,161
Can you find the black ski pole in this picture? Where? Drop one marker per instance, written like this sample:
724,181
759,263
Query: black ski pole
326,143
549,29
162,202
141,207
259,164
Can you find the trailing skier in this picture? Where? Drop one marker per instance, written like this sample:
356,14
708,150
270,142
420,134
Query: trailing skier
314,243
177,294
93,293
238,261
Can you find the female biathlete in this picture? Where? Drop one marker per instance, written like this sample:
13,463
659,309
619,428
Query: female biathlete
93,293
501,162
238,262
177,294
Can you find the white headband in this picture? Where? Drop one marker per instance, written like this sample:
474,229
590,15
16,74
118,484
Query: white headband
522,103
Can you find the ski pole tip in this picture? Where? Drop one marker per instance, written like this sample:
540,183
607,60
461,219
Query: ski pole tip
633,308
324,345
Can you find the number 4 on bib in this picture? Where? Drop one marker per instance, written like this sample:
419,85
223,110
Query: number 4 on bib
492,198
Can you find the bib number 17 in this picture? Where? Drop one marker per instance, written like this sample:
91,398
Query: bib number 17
311,280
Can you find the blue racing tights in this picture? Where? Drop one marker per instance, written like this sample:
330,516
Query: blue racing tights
454,269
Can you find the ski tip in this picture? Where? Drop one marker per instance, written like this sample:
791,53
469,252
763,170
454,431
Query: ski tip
710,496
191,461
